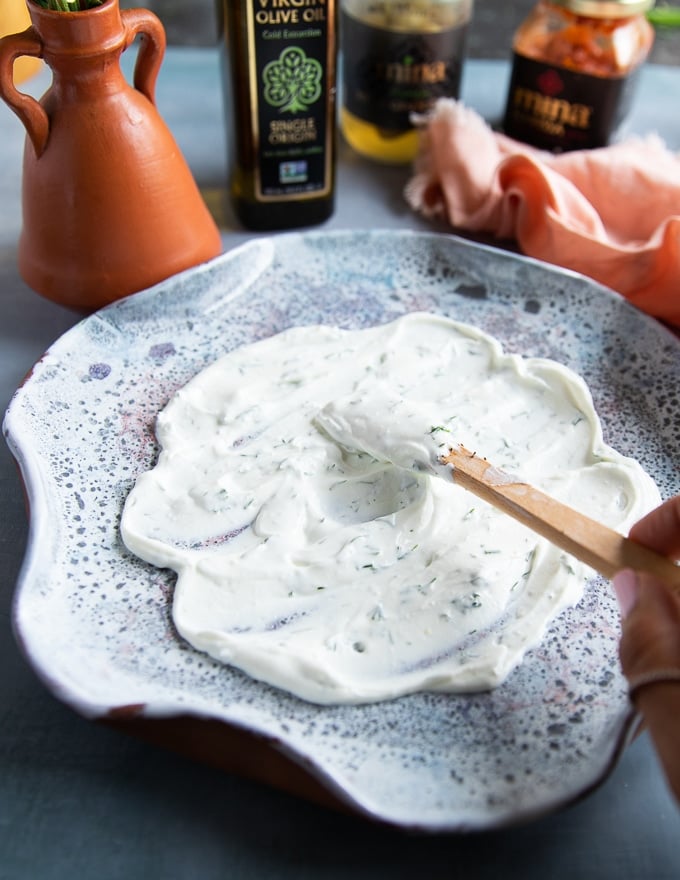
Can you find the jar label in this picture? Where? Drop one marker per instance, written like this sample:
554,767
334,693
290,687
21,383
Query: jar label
387,75
557,109
291,102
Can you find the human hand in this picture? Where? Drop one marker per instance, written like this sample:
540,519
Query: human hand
650,641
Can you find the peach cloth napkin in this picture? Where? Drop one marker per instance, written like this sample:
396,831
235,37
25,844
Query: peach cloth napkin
612,213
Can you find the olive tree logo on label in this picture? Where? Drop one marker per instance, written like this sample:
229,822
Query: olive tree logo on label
293,82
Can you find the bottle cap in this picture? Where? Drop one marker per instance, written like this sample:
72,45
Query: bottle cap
605,8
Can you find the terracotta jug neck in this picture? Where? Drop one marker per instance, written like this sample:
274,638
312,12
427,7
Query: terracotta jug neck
83,51
90,32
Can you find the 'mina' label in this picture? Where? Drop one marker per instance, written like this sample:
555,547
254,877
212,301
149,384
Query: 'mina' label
558,109
388,75
291,55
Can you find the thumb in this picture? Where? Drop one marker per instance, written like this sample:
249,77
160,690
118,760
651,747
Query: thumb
650,639
650,658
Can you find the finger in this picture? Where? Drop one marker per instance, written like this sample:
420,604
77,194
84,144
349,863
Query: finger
650,656
650,637
660,529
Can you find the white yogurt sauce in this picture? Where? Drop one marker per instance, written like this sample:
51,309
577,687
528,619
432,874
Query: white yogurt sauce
343,577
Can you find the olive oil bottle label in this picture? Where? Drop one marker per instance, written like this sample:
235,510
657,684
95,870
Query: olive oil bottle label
387,75
557,109
290,99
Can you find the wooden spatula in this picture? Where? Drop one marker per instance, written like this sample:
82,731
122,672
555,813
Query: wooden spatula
593,543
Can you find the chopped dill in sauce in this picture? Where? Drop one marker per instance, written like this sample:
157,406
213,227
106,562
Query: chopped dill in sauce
359,574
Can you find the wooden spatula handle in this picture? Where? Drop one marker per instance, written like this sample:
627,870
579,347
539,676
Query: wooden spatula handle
593,543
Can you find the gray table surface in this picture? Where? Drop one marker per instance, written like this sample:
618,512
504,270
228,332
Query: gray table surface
81,801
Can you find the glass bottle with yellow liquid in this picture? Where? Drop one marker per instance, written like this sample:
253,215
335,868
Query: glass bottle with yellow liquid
398,58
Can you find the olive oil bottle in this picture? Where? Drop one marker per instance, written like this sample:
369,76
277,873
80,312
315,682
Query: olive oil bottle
399,56
279,70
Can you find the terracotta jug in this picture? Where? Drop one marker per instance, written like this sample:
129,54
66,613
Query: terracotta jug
109,204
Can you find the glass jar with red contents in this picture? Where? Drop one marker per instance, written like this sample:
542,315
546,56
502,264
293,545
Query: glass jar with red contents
574,69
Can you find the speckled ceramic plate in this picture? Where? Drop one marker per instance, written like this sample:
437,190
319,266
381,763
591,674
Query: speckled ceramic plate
95,622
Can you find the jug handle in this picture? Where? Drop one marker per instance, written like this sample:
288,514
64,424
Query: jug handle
147,25
29,111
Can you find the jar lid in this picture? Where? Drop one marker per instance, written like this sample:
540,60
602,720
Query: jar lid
606,8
